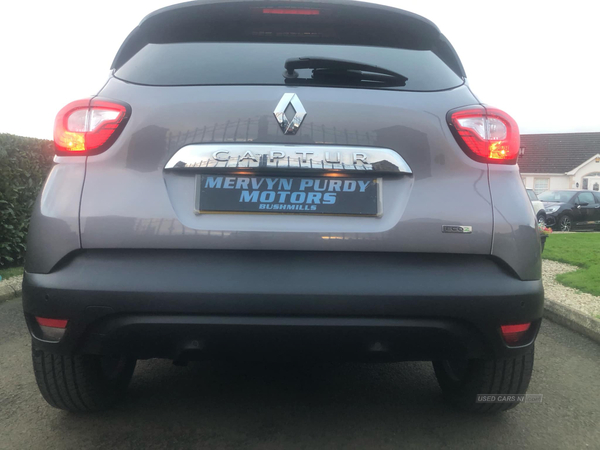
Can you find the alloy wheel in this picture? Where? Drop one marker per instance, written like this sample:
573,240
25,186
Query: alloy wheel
565,223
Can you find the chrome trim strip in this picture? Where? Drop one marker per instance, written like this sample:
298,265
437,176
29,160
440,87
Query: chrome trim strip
296,158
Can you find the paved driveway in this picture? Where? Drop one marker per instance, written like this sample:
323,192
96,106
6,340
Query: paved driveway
354,406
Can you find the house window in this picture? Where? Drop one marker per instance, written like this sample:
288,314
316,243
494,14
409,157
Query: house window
540,185
589,179
596,186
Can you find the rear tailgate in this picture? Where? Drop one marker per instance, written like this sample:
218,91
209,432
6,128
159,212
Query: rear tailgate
131,201
211,76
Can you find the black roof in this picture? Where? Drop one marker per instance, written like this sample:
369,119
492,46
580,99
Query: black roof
557,152
191,5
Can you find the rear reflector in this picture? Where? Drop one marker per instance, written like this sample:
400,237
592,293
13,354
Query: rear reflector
52,323
512,334
300,12
49,330
486,134
88,127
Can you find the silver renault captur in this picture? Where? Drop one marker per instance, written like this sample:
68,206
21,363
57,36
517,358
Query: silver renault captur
283,180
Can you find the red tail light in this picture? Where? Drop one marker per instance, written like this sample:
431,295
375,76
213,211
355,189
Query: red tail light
89,127
513,333
486,134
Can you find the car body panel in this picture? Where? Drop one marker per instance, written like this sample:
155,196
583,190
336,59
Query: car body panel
587,210
118,296
54,225
538,206
130,201
516,235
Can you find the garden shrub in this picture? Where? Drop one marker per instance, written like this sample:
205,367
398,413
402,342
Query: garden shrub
24,164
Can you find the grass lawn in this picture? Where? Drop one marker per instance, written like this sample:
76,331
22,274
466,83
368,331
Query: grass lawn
578,249
11,272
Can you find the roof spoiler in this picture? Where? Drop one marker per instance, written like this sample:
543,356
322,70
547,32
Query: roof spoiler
317,22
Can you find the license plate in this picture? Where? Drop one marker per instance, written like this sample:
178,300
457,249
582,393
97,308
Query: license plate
288,195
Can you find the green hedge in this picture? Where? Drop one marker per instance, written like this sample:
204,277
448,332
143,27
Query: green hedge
24,164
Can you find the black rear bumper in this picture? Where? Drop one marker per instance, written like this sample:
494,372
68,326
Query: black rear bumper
210,304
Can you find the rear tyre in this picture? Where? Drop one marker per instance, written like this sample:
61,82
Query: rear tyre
565,223
461,381
82,383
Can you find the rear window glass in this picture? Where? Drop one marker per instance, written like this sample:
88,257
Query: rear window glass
202,63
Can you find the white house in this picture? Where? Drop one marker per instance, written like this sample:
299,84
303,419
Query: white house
560,161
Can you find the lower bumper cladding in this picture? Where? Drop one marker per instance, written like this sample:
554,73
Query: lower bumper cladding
211,304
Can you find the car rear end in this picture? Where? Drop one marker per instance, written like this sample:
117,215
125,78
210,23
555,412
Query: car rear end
205,204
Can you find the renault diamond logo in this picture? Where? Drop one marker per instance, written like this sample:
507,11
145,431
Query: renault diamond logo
287,126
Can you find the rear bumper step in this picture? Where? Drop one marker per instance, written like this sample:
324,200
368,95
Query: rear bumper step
162,303
217,337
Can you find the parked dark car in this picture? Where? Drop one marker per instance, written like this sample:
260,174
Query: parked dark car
568,210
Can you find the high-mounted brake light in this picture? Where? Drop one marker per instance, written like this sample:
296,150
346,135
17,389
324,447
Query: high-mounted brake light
512,334
88,127
486,134
299,12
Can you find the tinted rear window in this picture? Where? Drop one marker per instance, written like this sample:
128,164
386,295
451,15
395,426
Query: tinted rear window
205,63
